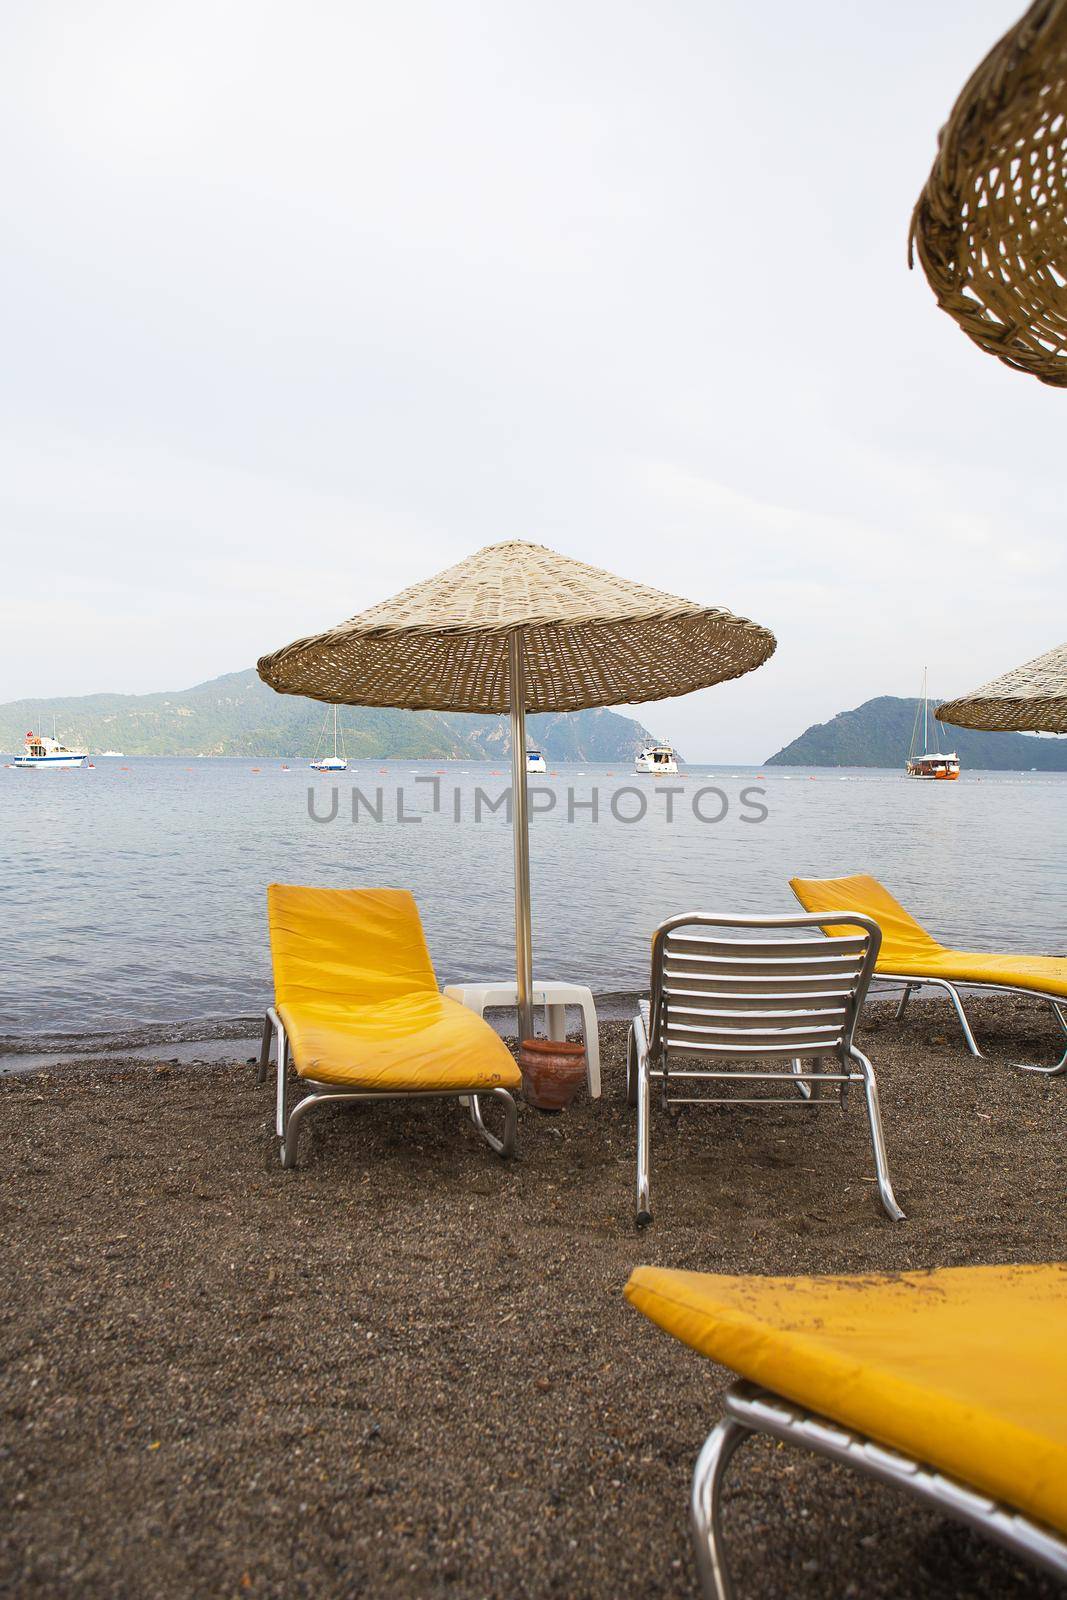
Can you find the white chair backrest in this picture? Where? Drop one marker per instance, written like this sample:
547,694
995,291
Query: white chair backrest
789,992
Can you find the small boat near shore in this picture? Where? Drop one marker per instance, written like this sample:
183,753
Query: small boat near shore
934,766
535,761
929,764
658,759
334,763
41,751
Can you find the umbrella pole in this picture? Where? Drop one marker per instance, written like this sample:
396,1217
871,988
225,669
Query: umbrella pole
521,832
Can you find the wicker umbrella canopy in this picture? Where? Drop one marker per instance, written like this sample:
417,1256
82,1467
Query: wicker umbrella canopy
517,627
589,639
1032,698
989,226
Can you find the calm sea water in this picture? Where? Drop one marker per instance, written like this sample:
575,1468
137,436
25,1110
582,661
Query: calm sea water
134,890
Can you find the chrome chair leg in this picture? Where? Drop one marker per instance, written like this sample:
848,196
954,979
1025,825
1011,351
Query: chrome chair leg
300,1111
264,1049
705,1507
504,1146
292,1126
760,1412
874,1118
1044,1072
953,994
644,1108
1055,1071
321,1095
810,1090
282,1052
631,1066
1061,1065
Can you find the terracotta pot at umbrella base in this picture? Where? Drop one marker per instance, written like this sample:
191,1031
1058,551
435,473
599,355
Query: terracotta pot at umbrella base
552,1072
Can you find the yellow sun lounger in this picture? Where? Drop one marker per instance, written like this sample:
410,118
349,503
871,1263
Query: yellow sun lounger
912,957
356,1006
949,1384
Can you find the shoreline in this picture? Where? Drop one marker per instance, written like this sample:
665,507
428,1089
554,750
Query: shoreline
199,1039
214,1039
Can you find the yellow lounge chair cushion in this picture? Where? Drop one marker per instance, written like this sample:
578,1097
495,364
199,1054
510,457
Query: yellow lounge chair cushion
962,1368
421,1042
355,988
908,949
346,944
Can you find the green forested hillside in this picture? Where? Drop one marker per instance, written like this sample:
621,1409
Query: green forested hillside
878,734
238,715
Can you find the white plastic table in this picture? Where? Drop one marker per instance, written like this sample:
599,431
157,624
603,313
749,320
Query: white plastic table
554,997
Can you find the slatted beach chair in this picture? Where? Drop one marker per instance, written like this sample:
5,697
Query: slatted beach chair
732,1012
946,1384
913,958
357,1008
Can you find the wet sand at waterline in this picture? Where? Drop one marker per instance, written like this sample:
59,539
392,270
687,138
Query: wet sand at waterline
407,1368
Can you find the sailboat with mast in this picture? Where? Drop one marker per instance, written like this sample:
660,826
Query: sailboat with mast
928,764
336,762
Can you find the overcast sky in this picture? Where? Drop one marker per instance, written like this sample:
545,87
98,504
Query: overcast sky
305,302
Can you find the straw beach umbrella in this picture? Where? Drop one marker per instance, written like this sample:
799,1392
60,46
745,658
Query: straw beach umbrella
989,225
517,628
1032,698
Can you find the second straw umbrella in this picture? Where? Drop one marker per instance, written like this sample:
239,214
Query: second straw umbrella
1030,698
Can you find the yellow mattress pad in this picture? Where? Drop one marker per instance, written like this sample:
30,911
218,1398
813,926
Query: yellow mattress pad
908,950
961,1368
418,1042
355,988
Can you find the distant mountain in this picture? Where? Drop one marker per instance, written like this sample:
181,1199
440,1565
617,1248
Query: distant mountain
878,734
238,715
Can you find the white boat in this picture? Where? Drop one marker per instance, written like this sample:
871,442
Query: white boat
334,763
41,751
104,753
535,761
659,759
931,764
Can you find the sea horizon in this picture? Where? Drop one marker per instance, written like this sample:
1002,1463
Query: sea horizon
149,900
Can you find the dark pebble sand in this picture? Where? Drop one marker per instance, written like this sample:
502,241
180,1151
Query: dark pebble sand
407,1368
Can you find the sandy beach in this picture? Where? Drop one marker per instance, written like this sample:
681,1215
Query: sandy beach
408,1369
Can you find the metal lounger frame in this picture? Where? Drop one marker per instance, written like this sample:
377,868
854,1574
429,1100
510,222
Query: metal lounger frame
751,1410
820,1023
911,981
287,1127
